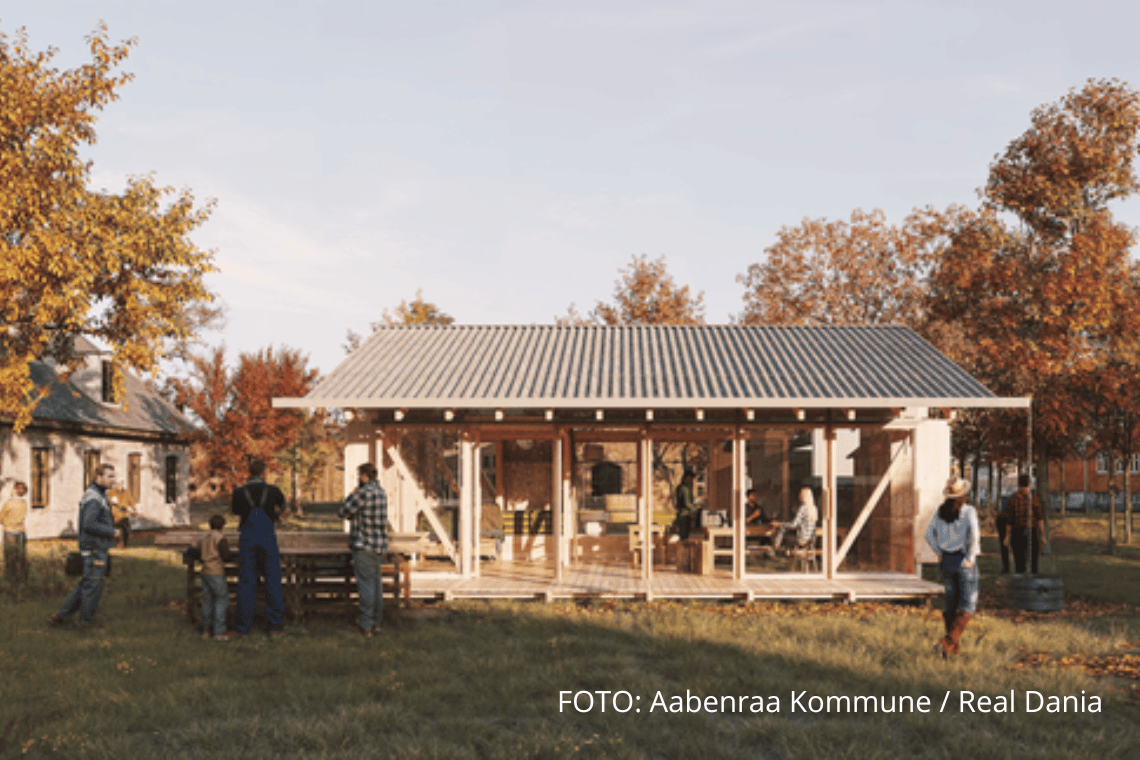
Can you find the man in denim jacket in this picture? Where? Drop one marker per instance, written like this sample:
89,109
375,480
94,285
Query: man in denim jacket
96,537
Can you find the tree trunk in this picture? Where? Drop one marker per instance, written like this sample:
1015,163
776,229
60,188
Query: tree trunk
995,483
1128,497
974,473
1085,492
1043,486
1112,504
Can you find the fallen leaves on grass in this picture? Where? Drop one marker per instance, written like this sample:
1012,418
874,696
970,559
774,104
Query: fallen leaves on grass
1119,665
1075,608
858,611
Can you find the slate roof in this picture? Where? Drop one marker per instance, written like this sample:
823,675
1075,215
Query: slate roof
144,412
663,366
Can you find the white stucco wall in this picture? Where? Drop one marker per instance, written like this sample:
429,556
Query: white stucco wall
66,478
931,471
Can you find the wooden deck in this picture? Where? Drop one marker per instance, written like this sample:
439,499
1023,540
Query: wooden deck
535,580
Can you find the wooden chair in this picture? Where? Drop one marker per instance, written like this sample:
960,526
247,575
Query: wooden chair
807,554
721,550
635,545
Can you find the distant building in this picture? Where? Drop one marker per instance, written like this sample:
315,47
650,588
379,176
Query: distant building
78,425
1083,484
1090,476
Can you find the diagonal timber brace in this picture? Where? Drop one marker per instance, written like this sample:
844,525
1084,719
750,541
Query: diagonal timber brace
422,505
872,502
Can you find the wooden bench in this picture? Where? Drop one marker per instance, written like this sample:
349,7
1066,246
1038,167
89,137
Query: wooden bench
316,570
312,580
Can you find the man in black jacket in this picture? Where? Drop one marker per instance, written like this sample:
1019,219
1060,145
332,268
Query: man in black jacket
96,537
259,505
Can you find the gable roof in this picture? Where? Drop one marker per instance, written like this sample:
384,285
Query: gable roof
65,404
645,366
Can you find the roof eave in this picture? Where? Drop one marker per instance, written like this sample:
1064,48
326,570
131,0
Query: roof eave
965,402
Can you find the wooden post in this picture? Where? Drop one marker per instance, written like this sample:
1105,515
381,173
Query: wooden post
645,505
556,503
829,510
569,507
477,513
466,504
500,479
739,450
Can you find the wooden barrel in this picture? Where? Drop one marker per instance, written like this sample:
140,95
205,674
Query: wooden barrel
1032,593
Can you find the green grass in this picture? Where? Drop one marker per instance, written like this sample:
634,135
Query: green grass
482,680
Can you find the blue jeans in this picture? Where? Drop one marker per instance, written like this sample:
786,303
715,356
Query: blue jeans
258,556
960,584
215,601
86,594
370,586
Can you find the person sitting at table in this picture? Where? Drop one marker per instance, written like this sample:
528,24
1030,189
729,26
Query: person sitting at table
755,516
754,511
803,523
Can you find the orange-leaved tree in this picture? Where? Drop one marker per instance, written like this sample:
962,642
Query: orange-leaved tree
644,294
862,272
118,267
235,407
1046,302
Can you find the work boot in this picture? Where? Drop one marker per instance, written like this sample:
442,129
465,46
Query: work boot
945,647
958,628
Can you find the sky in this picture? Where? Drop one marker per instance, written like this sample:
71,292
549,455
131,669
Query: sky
509,158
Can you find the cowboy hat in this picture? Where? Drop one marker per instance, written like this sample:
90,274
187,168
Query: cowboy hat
955,488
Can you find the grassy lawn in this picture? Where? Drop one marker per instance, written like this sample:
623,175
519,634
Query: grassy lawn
483,680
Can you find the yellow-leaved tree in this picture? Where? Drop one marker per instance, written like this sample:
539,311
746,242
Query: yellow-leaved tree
117,267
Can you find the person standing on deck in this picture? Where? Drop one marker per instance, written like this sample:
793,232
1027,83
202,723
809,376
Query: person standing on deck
684,504
367,509
259,505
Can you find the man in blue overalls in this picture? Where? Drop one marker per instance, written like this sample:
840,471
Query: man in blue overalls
259,505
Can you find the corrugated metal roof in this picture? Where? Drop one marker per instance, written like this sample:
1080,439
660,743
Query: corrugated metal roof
527,366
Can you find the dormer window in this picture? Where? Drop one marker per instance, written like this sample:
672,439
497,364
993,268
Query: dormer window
108,382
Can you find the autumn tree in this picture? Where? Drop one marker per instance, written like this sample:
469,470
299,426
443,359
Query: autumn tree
862,272
418,312
117,267
234,408
644,294
1046,300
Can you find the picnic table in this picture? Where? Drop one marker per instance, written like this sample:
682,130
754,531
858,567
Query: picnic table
316,568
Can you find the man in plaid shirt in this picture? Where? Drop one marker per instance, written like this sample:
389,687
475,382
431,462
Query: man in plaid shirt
1026,526
367,508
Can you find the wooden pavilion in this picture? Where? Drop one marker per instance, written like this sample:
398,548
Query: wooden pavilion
543,458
